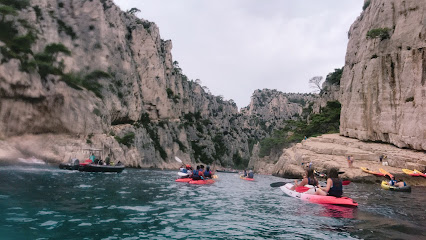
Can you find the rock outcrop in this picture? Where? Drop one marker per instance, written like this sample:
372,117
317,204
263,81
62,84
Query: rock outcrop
331,150
383,88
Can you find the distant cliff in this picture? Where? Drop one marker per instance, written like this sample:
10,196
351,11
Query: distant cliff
383,88
81,74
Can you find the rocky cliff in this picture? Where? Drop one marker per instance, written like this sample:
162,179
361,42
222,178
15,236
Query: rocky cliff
383,91
81,74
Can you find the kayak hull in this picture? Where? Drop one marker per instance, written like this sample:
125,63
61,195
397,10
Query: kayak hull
385,173
246,178
201,182
386,186
183,180
319,199
364,169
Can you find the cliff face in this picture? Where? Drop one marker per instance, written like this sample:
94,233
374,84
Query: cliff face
86,74
383,90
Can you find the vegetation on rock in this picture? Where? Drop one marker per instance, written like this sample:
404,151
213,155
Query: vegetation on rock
382,33
327,121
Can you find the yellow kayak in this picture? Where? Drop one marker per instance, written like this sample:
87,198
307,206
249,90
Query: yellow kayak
371,172
386,173
414,173
385,185
421,174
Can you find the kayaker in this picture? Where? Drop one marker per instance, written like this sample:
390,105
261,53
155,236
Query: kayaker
196,174
395,183
250,174
308,179
334,184
183,169
245,173
208,173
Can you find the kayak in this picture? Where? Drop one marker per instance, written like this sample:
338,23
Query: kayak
385,185
182,174
421,174
246,178
371,172
183,179
202,182
414,173
215,176
342,201
386,173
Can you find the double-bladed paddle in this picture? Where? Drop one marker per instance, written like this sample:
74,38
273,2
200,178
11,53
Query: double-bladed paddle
279,184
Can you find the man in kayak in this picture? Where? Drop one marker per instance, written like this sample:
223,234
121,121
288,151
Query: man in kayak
334,184
250,174
308,179
395,183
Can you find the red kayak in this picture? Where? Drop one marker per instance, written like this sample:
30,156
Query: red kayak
183,179
202,182
248,179
302,194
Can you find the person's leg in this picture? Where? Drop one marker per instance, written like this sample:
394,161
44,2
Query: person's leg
320,192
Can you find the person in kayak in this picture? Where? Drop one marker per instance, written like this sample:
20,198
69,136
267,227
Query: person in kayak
308,179
196,174
334,185
183,169
395,183
208,173
250,174
245,173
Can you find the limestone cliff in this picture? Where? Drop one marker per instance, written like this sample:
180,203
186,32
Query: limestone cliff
383,91
80,74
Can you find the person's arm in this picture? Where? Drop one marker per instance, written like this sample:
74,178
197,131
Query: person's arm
302,183
327,188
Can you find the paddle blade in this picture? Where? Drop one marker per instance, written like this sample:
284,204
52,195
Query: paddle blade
178,159
346,182
278,184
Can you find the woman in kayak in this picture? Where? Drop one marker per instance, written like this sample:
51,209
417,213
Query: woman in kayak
309,179
395,183
196,174
334,185
208,173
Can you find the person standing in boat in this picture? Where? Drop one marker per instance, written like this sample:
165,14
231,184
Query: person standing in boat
92,157
108,159
334,184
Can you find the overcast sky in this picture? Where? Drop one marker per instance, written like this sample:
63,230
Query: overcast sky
237,46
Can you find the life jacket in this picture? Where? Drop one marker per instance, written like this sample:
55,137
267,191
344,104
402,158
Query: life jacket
392,182
250,175
207,173
184,170
195,173
337,188
312,181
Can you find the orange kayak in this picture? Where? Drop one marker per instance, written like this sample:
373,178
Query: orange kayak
386,173
371,172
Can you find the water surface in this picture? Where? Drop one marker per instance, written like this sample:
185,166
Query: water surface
42,202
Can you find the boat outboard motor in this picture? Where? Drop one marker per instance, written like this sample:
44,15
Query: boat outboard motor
75,161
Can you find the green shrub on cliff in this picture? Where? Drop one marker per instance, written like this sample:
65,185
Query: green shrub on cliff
328,121
18,4
127,139
333,78
366,4
382,33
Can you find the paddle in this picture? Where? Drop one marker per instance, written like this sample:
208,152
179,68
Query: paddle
178,159
279,184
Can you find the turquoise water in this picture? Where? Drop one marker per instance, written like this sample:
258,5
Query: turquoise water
42,202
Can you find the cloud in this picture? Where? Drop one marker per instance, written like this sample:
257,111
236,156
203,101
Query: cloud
238,46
